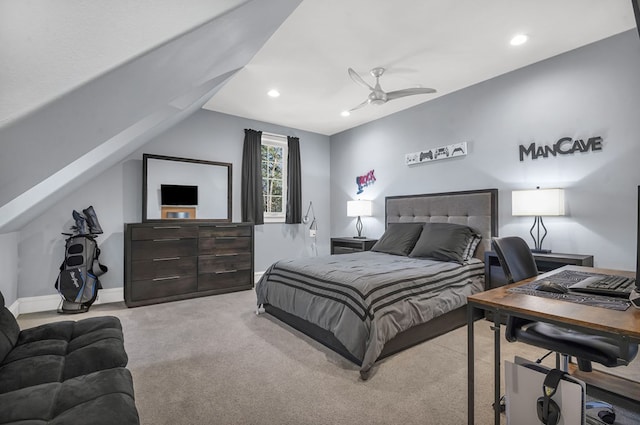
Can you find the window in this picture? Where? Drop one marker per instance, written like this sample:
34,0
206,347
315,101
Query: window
274,177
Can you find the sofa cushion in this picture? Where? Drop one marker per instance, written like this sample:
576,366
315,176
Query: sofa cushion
62,350
103,397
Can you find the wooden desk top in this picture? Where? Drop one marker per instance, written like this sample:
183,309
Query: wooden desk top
612,321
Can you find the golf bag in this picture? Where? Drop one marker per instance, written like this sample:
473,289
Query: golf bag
78,281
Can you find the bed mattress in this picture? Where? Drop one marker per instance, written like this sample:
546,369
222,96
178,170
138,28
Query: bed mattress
365,299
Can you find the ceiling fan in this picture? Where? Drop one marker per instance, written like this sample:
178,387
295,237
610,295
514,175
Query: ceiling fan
379,96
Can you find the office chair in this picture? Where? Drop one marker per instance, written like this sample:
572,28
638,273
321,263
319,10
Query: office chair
518,263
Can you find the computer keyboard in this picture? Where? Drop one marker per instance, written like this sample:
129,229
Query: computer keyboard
609,285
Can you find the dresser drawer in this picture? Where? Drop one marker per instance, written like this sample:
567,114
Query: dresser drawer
163,232
225,280
224,230
224,245
163,248
223,263
163,287
165,267
345,250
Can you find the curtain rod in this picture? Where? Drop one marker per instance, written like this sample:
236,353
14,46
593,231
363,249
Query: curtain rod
266,133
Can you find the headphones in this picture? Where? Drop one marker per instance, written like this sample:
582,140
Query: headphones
548,410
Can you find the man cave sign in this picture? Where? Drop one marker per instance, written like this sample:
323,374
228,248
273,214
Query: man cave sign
563,146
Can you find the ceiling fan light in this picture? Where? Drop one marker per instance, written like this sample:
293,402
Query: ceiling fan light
376,102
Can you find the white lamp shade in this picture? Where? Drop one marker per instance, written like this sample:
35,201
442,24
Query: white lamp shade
537,202
359,208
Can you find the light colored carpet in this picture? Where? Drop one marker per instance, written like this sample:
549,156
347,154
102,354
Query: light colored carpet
212,360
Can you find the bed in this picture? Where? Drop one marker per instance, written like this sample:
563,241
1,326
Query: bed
410,288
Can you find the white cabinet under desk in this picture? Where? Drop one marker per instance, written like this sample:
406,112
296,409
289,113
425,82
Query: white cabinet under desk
185,259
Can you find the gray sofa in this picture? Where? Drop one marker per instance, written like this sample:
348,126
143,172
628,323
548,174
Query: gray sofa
70,372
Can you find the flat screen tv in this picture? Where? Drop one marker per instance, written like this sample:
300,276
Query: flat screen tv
175,194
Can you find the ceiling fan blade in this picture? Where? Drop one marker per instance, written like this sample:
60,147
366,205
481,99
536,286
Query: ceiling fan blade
359,106
358,79
409,92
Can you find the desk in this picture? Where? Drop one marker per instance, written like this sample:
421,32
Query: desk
622,325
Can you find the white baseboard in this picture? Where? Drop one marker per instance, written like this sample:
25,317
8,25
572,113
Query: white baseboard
13,308
52,302
257,276
110,295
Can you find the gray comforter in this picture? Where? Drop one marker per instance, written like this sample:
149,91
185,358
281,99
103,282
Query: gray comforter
367,298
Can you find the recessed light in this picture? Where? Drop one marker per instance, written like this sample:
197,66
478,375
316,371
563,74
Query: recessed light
273,93
345,113
519,39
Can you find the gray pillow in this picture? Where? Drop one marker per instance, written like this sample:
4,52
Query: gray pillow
399,238
444,242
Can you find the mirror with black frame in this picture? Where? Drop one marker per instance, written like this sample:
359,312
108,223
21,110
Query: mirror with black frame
185,189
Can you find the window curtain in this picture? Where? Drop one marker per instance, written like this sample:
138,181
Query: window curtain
294,182
252,202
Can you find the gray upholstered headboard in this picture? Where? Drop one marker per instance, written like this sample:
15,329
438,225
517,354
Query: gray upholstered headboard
475,208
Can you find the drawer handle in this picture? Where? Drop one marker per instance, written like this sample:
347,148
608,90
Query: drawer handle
167,227
166,259
227,271
157,279
226,237
166,239
227,255
229,226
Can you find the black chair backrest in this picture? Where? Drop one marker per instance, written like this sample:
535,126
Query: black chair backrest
517,264
515,258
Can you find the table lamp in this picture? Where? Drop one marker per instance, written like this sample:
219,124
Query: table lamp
537,203
359,209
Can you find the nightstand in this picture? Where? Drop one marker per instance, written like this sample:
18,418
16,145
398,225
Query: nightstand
494,277
351,244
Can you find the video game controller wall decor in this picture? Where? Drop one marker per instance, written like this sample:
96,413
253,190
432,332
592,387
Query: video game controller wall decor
442,152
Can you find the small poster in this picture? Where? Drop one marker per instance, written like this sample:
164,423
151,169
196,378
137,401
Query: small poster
364,181
442,152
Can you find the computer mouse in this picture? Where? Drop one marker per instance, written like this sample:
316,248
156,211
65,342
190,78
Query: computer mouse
548,286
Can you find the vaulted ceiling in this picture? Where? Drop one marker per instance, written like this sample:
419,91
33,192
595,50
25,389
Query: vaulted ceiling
443,44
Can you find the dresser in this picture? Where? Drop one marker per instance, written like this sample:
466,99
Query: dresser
185,259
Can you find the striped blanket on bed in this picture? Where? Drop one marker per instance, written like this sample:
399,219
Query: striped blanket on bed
367,298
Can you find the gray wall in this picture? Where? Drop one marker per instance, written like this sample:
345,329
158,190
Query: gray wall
219,137
9,267
117,198
592,91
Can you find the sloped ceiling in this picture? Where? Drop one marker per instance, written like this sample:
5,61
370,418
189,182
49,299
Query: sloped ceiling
85,125
51,47
443,44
